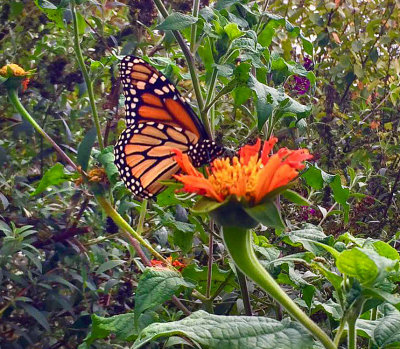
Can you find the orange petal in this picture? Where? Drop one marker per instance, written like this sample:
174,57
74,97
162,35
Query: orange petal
283,175
185,164
268,145
296,158
265,177
246,152
198,185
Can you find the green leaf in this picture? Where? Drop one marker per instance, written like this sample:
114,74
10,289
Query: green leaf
200,275
53,12
157,286
122,326
36,314
385,250
177,21
295,198
387,332
267,214
340,192
85,148
356,263
106,158
313,177
269,98
53,176
109,265
227,332
233,31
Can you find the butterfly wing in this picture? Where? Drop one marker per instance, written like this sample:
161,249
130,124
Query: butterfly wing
158,121
150,96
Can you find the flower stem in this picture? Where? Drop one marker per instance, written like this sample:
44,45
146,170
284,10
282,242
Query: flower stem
12,94
123,224
239,244
88,81
351,334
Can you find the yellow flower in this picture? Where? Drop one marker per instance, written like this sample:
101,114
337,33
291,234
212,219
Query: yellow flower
252,175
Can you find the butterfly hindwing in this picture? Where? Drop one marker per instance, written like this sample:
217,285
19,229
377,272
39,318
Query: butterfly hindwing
144,156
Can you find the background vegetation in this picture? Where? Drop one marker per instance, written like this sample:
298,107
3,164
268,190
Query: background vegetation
63,260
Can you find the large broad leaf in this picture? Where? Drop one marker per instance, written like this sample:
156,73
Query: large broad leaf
53,176
387,333
177,21
227,332
156,286
365,264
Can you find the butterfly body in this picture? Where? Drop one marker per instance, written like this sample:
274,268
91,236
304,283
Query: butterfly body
158,120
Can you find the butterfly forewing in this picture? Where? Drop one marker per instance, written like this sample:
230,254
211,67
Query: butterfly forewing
150,96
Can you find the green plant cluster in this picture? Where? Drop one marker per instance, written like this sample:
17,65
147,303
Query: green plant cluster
76,249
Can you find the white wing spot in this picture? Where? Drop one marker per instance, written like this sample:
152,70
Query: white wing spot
141,85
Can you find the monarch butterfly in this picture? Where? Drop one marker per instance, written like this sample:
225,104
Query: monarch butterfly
158,120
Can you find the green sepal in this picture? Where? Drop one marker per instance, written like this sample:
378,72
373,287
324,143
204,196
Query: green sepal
206,205
267,214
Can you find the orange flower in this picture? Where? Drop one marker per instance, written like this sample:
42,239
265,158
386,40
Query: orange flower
251,176
160,264
374,125
12,70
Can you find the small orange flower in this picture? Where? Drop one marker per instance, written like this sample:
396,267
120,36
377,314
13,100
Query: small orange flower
252,175
160,264
25,84
374,125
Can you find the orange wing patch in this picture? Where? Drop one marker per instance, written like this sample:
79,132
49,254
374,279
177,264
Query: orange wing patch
181,116
151,99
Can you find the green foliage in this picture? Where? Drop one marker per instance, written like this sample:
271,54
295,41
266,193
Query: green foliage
68,274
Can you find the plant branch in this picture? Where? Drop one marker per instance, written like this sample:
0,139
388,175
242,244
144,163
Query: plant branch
12,94
245,292
191,64
88,82
210,263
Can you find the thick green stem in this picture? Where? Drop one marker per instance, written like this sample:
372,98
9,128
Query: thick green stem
351,334
88,82
239,244
12,94
195,13
123,224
